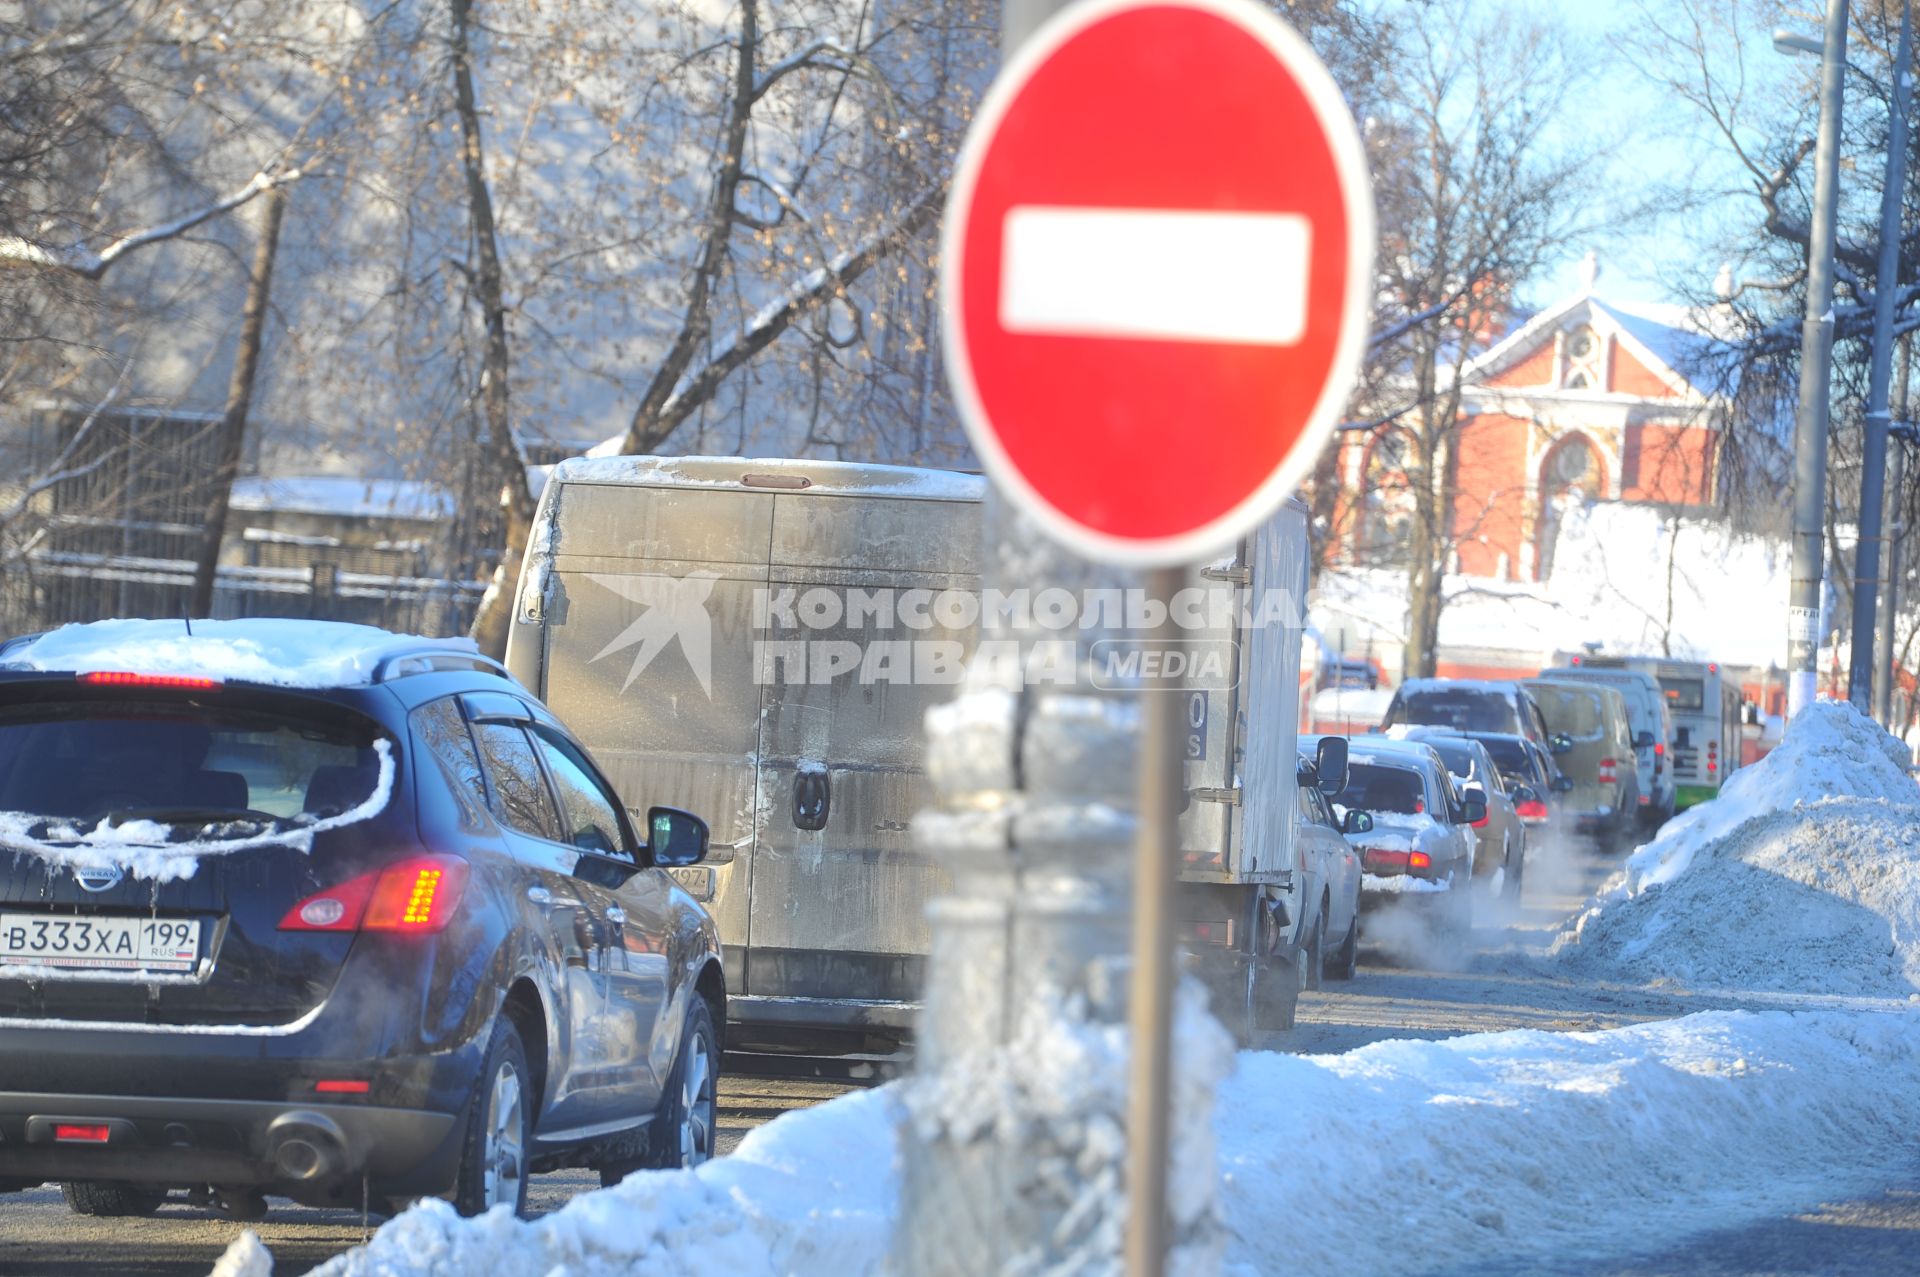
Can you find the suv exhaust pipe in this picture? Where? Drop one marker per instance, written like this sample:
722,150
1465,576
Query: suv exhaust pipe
307,1147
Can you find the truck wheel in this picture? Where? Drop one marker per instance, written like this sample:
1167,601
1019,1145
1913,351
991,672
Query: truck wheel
93,1197
493,1166
1314,971
1274,981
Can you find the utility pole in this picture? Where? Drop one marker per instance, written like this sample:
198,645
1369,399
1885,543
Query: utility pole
1873,459
1895,529
1816,361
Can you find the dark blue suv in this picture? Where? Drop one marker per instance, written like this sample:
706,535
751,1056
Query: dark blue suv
313,910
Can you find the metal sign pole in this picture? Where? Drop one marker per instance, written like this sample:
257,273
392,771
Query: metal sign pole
1156,843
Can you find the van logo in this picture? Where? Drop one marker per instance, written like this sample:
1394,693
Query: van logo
99,877
676,610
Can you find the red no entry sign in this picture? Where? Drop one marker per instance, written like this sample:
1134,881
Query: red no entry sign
1157,266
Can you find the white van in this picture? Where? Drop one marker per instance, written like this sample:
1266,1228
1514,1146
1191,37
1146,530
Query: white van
688,619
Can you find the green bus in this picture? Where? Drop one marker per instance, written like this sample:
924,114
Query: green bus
1705,745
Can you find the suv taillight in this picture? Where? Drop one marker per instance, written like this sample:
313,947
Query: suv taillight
418,895
1607,774
1531,809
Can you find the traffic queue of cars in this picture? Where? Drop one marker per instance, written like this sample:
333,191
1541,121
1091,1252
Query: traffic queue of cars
1464,774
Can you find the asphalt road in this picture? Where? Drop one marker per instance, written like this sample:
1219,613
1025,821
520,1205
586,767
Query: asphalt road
1501,986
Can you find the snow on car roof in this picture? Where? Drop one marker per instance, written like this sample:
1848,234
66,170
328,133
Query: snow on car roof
282,653
1386,750
1498,687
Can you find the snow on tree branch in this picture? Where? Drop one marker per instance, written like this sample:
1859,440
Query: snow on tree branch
697,384
821,54
18,251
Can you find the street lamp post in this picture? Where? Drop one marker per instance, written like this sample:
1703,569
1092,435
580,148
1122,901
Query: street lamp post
1816,359
1873,459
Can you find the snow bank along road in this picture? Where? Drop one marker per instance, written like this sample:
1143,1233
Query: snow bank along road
38,1236
1711,1063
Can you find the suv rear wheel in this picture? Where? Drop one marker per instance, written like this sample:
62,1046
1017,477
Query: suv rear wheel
91,1197
493,1167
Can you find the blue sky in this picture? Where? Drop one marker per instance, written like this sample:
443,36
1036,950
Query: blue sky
1664,141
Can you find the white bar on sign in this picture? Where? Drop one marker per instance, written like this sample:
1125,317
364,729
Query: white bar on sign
1170,275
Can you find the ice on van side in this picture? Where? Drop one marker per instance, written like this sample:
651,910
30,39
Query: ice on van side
282,653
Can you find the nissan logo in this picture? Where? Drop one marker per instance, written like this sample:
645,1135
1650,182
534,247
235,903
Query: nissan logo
99,878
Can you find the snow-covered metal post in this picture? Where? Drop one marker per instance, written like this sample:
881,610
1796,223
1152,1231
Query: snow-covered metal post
1873,459
1816,361
1004,1164
1002,1171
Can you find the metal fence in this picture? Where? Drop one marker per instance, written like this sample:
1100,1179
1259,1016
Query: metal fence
60,587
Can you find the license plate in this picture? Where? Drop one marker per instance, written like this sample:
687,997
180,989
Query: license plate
695,880
99,944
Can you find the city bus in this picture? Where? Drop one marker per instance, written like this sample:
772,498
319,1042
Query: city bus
1705,745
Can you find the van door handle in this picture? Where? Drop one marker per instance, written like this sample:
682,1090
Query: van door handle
812,799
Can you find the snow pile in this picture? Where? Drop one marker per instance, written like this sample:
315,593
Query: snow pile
246,1257
1803,876
1399,1157
1536,1148
344,496
282,653
813,1192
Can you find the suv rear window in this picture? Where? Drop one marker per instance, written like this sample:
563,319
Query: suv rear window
195,771
1573,710
1372,787
1510,756
1462,709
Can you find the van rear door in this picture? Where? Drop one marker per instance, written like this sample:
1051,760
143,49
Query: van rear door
839,893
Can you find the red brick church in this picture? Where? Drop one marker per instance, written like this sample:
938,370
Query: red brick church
1588,400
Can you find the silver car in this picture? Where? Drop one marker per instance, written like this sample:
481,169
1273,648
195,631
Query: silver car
1500,857
1422,840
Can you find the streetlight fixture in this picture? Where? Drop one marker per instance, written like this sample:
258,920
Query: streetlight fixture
1788,41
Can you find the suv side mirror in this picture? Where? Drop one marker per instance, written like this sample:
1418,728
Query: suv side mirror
1357,822
1330,764
1474,810
675,838
1643,741
1562,784
1560,743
